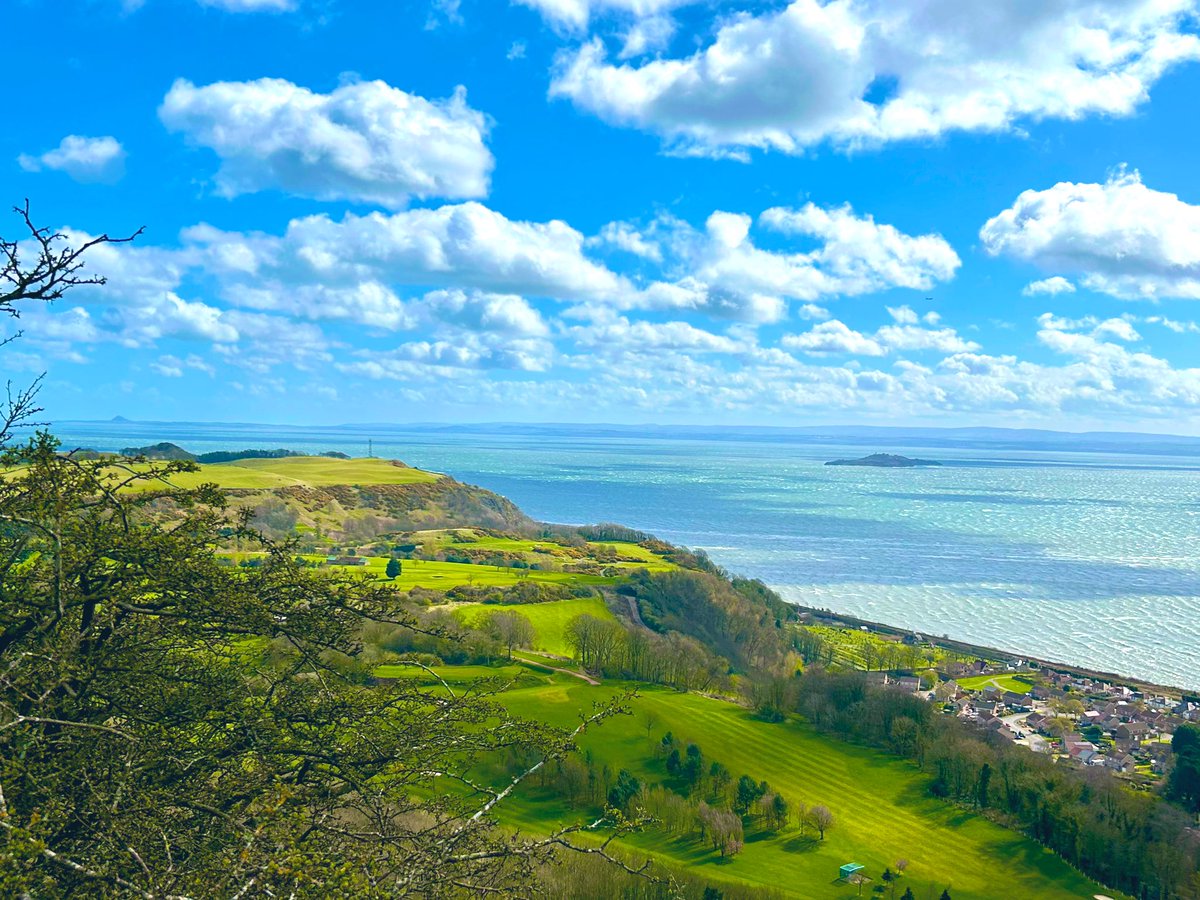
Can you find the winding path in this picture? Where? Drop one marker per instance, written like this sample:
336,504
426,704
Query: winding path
541,665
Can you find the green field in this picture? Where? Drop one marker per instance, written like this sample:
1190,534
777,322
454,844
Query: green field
1015,683
444,575
549,620
315,471
882,809
857,649
533,550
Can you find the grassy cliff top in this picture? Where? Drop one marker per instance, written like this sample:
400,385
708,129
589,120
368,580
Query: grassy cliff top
312,471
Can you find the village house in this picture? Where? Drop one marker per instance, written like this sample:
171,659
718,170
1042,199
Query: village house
1127,730
1016,702
1123,763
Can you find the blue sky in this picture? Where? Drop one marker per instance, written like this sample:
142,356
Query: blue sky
907,212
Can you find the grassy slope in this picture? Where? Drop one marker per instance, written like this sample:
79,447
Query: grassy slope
549,620
550,552
317,471
881,805
444,575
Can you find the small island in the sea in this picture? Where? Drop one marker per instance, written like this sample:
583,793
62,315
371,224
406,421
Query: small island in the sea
884,461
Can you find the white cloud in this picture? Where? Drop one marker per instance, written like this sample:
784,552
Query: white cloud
367,142
647,35
366,258
623,336
1173,325
625,236
1121,237
1121,329
575,15
170,366
1053,285
864,72
516,50
913,337
85,159
501,315
833,337
367,302
813,312
453,358
904,315
724,273
249,6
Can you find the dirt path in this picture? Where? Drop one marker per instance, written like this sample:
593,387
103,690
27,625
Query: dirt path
541,665
635,613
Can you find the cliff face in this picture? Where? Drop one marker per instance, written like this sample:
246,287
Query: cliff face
361,509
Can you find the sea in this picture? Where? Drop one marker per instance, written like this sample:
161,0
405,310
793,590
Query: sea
1080,551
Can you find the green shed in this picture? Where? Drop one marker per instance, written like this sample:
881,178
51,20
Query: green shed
850,869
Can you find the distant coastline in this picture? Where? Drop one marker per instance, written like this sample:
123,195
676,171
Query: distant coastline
867,436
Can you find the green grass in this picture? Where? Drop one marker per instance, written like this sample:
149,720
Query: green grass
882,808
314,471
442,576
549,620
857,649
445,575
459,676
533,551
1015,683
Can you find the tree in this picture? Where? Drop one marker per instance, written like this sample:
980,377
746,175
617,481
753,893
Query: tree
624,790
747,792
674,762
946,895
39,266
821,819
170,726
511,629
1183,785
779,812
908,894
393,568
981,790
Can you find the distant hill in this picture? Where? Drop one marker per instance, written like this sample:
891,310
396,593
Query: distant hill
351,499
884,461
168,451
162,451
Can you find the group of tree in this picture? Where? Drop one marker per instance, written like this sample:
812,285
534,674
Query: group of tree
741,620
606,647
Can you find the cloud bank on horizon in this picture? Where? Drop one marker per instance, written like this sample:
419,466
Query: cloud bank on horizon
771,213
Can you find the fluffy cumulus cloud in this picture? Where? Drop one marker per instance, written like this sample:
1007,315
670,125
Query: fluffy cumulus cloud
465,246
367,142
723,271
865,72
1055,284
1120,237
86,159
834,337
619,335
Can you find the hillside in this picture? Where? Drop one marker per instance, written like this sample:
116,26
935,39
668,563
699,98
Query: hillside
882,809
324,497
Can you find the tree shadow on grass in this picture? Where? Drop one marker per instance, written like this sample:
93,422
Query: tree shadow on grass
801,843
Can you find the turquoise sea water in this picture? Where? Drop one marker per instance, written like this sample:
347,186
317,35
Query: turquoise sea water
1088,558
